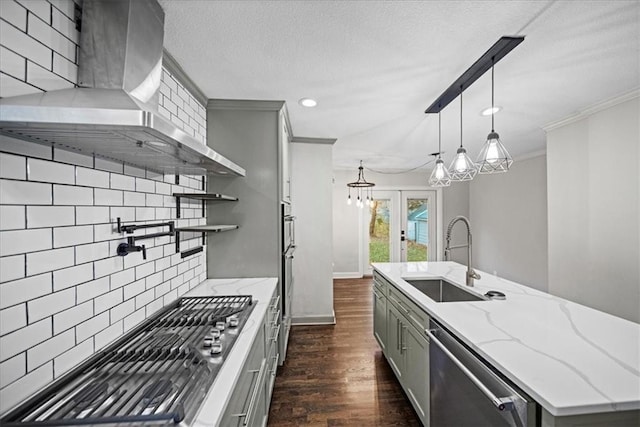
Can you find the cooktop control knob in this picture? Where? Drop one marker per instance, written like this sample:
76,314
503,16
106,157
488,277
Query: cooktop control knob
220,325
215,333
216,348
233,321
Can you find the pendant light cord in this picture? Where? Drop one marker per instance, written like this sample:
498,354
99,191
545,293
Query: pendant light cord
493,112
439,135
460,116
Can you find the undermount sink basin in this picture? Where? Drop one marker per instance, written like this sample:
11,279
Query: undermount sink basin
443,291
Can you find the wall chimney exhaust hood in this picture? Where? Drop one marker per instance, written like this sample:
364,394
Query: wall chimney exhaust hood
113,114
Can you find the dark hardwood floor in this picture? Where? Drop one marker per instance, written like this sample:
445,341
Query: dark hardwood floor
337,375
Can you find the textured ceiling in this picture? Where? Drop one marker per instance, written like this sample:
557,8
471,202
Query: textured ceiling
374,66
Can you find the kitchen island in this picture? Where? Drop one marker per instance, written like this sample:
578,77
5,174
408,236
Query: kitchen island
262,290
579,364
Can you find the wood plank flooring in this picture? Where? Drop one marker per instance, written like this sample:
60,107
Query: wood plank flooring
337,375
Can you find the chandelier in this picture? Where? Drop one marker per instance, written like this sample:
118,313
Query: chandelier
361,185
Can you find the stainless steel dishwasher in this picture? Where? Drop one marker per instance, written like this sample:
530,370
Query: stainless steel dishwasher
466,392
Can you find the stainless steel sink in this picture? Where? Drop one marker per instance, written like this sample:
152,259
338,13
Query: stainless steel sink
443,291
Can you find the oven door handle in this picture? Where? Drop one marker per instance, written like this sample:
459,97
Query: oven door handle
501,403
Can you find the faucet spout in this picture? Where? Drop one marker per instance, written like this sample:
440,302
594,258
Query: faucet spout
471,274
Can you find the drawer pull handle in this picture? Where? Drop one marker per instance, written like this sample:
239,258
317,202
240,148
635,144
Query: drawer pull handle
254,395
274,338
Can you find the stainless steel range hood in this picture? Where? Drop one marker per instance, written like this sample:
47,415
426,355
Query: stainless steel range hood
114,113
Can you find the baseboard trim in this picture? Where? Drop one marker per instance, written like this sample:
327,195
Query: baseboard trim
347,275
314,320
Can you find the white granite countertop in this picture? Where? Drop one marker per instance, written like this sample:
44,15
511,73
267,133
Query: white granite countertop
570,358
261,289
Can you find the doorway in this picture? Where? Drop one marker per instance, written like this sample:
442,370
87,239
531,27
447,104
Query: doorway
400,226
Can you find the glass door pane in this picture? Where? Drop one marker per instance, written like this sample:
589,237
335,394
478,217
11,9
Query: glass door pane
380,231
418,226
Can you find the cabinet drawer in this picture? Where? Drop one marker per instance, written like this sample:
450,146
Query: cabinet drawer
380,283
411,311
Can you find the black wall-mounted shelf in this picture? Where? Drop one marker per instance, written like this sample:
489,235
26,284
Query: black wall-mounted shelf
202,229
209,197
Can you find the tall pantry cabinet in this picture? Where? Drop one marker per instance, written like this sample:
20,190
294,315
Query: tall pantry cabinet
256,134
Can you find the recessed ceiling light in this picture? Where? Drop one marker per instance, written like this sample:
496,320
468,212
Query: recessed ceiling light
491,110
308,102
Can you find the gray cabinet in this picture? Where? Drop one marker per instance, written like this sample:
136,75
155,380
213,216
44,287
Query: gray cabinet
251,395
398,326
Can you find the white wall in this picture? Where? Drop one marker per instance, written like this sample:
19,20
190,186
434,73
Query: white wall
509,222
594,210
347,220
311,195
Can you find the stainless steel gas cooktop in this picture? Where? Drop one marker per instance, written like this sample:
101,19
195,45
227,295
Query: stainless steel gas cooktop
157,374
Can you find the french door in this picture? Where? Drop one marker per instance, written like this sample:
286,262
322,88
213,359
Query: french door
400,227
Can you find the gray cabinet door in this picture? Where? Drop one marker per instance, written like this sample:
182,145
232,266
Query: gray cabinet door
416,353
394,341
380,318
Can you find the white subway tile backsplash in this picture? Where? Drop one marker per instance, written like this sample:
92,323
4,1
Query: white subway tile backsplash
66,69
144,298
107,266
12,217
72,157
12,63
17,146
21,241
11,86
14,13
48,171
163,188
109,165
108,197
74,316
126,214
144,270
122,182
53,303
154,306
120,311
134,171
68,277
24,193
93,252
92,215
162,289
13,318
154,280
92,289
12,268
133,289
69,236
49,349
68,360
12,166
22,339
72,196
164,213
122,278
38,262
134,319
50,216
102,339
134,199
25,386
64,25
145,185
12,369
24,45
108,300
92,178
42,78
47,35
40,9
64,6
106,232
154,200
92,326
145,214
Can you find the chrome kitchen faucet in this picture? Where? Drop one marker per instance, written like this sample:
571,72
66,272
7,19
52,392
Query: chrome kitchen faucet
471,274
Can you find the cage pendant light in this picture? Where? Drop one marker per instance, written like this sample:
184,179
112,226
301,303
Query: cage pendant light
462,167
493,157
359,185
440,175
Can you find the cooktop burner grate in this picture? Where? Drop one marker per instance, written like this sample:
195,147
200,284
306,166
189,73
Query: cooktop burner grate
158,374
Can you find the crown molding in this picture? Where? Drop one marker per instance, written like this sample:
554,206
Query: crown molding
530,155
170,63
306,140
244,104
586,112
